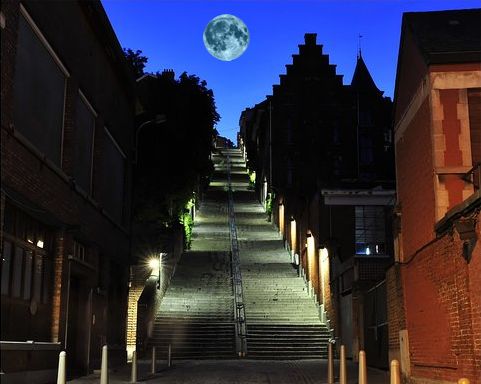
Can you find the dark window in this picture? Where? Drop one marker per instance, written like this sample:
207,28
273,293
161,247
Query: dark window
27,275
78,251
37,277
84,135
365,150
365,119
370,231
114,178
39,93
17,271
26,268
6,267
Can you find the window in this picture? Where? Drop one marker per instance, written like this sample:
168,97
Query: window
370,230
114,177
6,266
39,90
84,139
82,253
26,268
17,271
78,251
365,119
37,277
365,150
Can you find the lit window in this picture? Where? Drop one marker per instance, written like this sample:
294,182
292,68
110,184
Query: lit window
370,230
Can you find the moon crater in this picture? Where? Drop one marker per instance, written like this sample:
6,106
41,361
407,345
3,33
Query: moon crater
226,37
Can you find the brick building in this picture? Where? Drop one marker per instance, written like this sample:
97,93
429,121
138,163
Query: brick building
323,150
66,145
434,289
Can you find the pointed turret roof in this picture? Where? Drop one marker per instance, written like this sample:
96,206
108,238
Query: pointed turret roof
362,80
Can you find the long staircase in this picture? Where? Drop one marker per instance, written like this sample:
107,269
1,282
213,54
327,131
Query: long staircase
196,313
196,316
282,319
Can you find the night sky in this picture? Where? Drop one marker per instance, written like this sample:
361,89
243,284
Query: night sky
170,34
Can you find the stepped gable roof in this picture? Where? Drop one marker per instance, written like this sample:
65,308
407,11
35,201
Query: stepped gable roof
445,37
362,80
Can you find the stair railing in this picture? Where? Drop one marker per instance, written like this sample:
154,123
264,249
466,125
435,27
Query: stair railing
239,313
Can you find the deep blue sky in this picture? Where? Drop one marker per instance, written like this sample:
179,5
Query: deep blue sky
170,34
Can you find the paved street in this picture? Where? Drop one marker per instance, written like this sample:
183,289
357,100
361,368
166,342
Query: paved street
237,372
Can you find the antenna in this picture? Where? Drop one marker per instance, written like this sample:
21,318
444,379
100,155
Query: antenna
359,46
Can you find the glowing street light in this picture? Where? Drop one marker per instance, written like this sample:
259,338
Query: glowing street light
155,265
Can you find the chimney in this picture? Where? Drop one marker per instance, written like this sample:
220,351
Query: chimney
310,38
168,74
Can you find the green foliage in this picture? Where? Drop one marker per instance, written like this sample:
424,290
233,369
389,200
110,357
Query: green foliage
269,199
252,180
188,223
136,61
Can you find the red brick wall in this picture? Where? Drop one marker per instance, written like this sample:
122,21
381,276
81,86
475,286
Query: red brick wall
395,307
414,167
443,310
474,278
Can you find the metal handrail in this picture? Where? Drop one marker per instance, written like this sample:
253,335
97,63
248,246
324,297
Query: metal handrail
241,332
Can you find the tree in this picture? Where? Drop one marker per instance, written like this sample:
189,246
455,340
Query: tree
136,61
174,156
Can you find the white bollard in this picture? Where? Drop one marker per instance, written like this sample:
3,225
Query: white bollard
362,368
133,377
62,374
395,375
153,367
169,356
342,366
104,369
330,365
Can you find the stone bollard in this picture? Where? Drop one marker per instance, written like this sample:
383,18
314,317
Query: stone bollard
395,375
133,377
62,368
153,367
342,366
362,368
330,365
104,368
463,381
169,356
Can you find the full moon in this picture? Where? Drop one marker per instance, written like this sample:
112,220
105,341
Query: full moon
226,37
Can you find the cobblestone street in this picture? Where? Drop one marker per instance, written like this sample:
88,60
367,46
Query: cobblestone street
237,372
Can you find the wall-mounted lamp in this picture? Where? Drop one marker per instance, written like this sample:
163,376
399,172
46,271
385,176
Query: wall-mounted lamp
155,264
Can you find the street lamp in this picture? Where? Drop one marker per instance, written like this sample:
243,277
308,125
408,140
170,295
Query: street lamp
159,119
155,263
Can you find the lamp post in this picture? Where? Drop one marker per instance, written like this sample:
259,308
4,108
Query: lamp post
159,119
